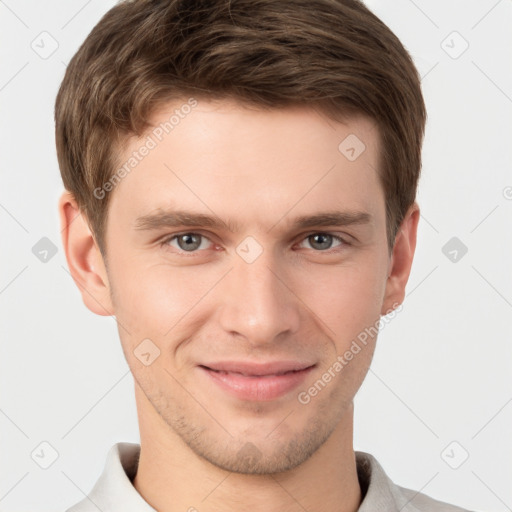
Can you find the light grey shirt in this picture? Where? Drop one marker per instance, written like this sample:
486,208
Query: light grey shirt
114,491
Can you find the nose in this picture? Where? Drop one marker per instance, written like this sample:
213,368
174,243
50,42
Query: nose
257,301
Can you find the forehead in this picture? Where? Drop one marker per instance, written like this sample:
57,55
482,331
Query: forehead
218,155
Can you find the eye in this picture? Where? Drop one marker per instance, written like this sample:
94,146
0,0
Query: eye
191,242
323,241
187,242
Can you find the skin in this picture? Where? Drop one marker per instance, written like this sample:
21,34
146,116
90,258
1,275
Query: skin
295,301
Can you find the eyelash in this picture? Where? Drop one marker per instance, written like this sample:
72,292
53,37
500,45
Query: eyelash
164,244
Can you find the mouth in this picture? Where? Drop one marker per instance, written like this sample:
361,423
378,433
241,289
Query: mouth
222,372
254,369
257,382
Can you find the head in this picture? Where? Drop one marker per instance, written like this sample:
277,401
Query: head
256,116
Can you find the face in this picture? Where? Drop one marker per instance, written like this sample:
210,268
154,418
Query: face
246,254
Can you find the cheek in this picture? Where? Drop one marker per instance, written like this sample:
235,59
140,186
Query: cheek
346,298
159,300
348,303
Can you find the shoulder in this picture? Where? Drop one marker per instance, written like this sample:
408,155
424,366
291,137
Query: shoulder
114,489
423,503
83,506
381,493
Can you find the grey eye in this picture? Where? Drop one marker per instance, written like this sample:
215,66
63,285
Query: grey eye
189,241
320,241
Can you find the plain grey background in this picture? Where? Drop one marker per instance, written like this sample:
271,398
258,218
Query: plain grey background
436,407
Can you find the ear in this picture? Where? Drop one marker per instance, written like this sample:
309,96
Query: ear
401,260
84,258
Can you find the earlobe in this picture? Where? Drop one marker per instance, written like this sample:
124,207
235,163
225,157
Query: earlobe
401,260
84,258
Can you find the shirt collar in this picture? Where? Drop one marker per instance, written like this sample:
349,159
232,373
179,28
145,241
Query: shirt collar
114,489
379,492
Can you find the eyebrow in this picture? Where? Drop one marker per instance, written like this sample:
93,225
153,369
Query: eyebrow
181,218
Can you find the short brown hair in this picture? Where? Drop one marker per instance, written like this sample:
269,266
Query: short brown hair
334,55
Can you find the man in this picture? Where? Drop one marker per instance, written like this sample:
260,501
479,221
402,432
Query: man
240,193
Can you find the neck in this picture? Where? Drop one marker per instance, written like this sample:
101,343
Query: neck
172,478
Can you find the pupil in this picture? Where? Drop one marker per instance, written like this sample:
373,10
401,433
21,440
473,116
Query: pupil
326,243
190,242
